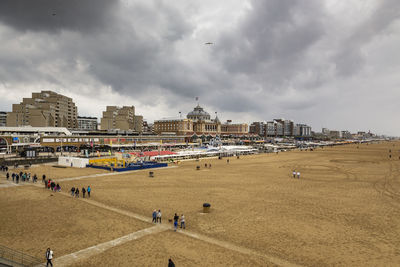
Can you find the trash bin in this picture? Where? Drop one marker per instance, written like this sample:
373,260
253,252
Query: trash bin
206,207
198,168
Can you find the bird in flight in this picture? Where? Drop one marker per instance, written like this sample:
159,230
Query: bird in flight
209,43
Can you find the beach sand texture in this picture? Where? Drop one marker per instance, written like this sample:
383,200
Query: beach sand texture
344,210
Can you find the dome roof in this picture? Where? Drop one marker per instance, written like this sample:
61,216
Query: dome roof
198,113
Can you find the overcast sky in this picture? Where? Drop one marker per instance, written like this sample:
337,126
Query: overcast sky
333,64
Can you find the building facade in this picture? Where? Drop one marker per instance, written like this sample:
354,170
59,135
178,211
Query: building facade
122,118
178,126
258,127
303,130
138,124
44,109
198,122
87,123
3,118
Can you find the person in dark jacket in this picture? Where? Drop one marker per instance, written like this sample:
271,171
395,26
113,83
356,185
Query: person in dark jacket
72,191
171,263
83,192
77,192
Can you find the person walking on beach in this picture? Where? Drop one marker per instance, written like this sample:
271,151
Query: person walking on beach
83,192
176,218
72,191
49,257
52,185
88,191
8,176
183,225
76,192
154,216
159,216
294,174
43,178
13,176
171,263
298,175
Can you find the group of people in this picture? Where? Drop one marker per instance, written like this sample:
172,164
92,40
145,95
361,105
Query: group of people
4,168
157,219
24,177
75,191
51,185
296,174
156,216
182,222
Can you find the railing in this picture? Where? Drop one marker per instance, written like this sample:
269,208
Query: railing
16,258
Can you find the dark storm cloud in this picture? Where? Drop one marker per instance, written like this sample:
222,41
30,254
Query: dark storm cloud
350,58
280,58
53,15
272,40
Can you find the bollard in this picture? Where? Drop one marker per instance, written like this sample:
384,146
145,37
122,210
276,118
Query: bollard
206,207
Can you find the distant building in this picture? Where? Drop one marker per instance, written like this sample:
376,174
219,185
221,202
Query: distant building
287,127
346,135
147,127
199,122
179,126
335,134
87,123
304,130
270,129
122,118
138,124
325,131
234,128
3,118
44,109
258,128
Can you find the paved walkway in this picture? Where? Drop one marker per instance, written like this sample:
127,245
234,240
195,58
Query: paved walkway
69,259
108,174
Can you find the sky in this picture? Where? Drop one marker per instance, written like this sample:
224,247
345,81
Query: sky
325,63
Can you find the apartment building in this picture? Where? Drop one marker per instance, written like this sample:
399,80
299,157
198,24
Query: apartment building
44,109
122,118
3,118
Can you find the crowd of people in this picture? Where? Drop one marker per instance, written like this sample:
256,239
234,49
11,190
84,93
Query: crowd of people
21,177
75,192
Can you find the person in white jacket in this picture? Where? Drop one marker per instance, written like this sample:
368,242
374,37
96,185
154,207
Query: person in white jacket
49,257
159,216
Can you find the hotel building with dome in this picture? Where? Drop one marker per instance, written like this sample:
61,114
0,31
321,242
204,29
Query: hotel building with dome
199,122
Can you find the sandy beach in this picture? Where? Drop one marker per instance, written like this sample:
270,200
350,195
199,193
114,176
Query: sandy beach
344,210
